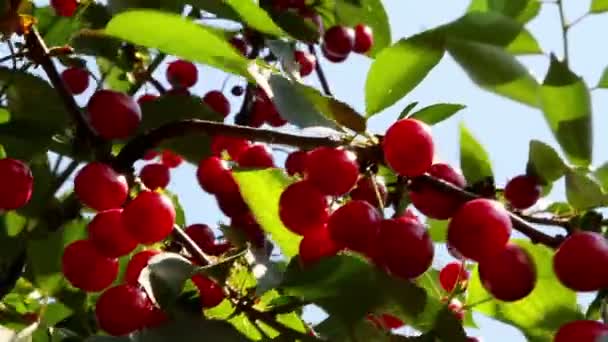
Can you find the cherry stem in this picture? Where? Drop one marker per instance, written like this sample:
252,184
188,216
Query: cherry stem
180,235
149,71
319,70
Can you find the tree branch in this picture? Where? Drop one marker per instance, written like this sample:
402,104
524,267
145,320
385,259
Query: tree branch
319,70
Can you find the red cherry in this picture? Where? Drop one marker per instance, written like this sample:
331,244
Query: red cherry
113,115
355,225
211,293
334,171
215,177
216,100
509,275
306,61
302,207
366,191
234,146
150,155
256,156
248,225
171,159
339,40
16,184
405,247
146,98
581,331
76,80
86,268
473,339
240,45
155,176
408,147
295,164
457,309
221,247
385,321
109,235
332,56
581,260
98,186
275,119
316,245
178,92
182,74
435,203
64,8
123,309
364,38
149,217
137,263
232,203
523,191
203,236
156,317
452,274
479,229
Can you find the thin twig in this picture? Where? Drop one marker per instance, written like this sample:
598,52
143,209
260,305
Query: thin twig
243,117
547,221
63,176
319,70
13,55
149,71
180,235
159,87
577,20
564,25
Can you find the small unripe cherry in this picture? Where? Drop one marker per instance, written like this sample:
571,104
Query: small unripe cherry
211,293
76,80
523,191
355,225
16,184
137,263
509,275
171,159
339,40
364,38
150,217
370,190
64,8
306,62
303,208
155,176
581,331
452,274
435,203
295,164
333,171
99,187
86,268
580,262
145,98
182,74
217,101
113,115
109,234
215,177
203,236
316,245
123,309
479,229
408,147
256,156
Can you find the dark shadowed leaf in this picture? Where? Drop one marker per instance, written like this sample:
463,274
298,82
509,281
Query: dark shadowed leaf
448,327
436,113
55,30
165,277
582,191
369,12
544,162
407,110
474,160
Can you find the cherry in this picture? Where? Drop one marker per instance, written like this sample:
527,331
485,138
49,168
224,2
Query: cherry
479,229
123,309
580,262
150,155
137,263
408,147
237,90
171,159
303,208
316,245
355,225
256,156
581,331
215,177
366,191
156,317
435,203
240,45
145,98
247,224
178,91
452,274
385,321
523,191
295,164
473,339
405,247
76,80
453,252
334,171
86,268
509,275
203,236
155,176
216,100
364,38
331,56
275,119
306,62
16,184
339,40
231,203
65,8
109,235
457,309
113,115
182,74
149,217
98,186
211,293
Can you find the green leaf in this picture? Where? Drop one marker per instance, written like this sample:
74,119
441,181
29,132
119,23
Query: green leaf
599,6
543,311
544,162
369,12
594,311
55,30
448,327
438,229
416,57
55,313
407,110
297,26
601,174
582,191
243,324
13,252
113,76
265,204
96,43
436,113
255,17
566,103
165,276
603,82
521,10
488,28
474,160
524,44
175,35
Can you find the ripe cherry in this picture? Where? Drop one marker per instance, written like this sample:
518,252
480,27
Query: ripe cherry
76,80
364,38
137,263
405,247
331,56
303,208
86,268
113,115
123,309
316,245
355,225
182,74
215,177
216,100
247,224
149,217
150,155
211,293
385,321
334,171
240,45
452,274
99,187
581,331
435,203
295,164
171,159
509,275
146,98
339,40
231,202
306,61
479,229
155,176
408,147
580,262
203,236
366,191
109,234
16,184
523,191
64,8
275,119
256,156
